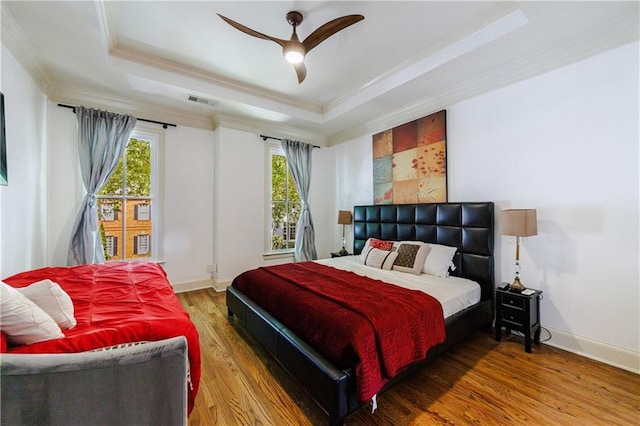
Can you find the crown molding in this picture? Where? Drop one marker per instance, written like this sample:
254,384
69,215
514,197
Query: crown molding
107,40
426,63
14,39
146,65
75,95
269,128
540,62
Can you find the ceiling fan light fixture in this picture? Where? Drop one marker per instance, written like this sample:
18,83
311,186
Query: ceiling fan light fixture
294,52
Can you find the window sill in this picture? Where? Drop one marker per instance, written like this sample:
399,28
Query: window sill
278,255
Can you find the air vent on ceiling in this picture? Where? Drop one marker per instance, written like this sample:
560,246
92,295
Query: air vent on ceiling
205,101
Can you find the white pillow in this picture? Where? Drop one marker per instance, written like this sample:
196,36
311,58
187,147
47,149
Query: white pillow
365,249
23,321
439,260
52,299
411,257
380,259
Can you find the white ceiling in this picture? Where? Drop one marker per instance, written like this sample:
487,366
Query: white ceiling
403,61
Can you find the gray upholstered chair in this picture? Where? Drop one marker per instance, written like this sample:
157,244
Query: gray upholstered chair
144,384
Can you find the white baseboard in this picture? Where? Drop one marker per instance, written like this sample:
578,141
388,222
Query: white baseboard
199,285
221,285
192,285
599,351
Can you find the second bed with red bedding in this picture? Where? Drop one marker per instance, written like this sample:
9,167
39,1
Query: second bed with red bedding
116,303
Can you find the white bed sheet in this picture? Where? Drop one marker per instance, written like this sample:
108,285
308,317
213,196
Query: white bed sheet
453,293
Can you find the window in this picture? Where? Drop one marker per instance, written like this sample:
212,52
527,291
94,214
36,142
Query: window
283,203
141,244
142,211
109,211
110,246
128,204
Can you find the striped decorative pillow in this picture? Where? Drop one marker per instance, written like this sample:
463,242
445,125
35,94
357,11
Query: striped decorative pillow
380,259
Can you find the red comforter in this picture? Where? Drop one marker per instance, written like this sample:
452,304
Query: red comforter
354,321
114,303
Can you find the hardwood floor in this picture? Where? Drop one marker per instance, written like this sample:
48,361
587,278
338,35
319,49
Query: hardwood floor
480,381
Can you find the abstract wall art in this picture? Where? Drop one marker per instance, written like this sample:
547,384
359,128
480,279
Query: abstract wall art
410,162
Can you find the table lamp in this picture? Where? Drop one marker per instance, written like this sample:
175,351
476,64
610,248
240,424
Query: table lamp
518,223
344,218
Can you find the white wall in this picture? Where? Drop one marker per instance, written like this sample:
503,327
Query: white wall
240,203
188,204
23,202
565,143
354,178
65,189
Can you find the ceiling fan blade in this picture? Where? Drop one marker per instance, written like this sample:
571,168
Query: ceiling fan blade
329,29
251,32
301,71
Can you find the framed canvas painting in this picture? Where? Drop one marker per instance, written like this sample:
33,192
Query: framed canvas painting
410,162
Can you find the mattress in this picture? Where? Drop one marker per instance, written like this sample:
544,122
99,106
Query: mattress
454,293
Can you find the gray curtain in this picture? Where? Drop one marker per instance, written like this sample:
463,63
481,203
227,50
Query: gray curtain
102,138
299,162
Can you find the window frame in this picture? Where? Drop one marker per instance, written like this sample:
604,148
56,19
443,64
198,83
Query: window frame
272,148
114,245
156,139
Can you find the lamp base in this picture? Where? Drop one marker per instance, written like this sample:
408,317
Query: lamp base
343,251
516,285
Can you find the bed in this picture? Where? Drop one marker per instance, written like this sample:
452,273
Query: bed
335,387
115,304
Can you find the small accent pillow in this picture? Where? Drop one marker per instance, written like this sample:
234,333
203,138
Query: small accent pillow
375,243
52,299
439,260
23,321
411,257
380,259
381,244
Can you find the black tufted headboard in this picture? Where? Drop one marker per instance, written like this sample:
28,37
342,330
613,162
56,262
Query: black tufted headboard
467,226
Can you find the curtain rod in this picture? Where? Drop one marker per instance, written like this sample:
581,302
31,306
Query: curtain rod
265,137
164,125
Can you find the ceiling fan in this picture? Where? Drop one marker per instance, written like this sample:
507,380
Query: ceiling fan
294,51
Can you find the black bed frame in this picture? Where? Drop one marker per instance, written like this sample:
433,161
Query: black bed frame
467,226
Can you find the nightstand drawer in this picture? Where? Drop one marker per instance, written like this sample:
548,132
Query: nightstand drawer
513,316
510,301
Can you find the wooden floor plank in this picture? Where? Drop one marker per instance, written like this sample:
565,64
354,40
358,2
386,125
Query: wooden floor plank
480,381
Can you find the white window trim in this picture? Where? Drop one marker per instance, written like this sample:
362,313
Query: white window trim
270,149
156,138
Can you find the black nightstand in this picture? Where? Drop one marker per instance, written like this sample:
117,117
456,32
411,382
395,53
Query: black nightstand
337,254
515,311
